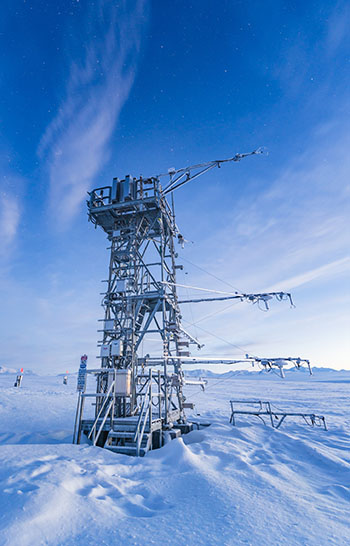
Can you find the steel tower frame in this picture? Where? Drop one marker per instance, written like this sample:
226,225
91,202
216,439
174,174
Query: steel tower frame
133,402
141,293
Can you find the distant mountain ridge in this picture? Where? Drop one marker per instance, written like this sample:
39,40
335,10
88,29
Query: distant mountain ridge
5,370
239,374
246,374
8,371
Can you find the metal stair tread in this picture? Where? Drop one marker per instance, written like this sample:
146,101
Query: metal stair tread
129,429
126,450
123,434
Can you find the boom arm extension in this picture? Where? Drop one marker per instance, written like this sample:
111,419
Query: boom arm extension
258,298
267,363
179,177
270,363
251,298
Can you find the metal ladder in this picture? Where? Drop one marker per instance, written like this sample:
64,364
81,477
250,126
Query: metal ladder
133,435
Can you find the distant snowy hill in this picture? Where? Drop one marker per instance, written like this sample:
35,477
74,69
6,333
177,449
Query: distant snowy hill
208,373
319,374
5,370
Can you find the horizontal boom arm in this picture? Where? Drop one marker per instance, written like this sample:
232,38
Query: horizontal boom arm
179,177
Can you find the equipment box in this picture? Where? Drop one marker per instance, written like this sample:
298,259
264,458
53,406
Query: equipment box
109,324
116,348
105,350
123,383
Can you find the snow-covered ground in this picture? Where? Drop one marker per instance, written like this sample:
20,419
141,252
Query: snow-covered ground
248,484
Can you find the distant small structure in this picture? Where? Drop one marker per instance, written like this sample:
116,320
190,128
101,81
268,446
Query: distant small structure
65,378
260,408
19,378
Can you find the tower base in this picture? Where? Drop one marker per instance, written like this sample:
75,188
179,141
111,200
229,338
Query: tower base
129,436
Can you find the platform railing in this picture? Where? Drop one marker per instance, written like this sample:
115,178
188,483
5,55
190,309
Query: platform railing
100,197
92,432
146,411
145,414
264,409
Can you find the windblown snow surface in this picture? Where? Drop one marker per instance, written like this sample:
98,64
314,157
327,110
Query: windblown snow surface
249,484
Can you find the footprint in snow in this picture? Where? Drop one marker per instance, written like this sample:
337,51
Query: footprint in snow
42,469
25,488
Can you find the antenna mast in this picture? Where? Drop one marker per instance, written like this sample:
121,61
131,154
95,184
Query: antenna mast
134,403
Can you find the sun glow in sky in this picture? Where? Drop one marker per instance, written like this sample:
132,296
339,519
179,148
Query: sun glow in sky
93,90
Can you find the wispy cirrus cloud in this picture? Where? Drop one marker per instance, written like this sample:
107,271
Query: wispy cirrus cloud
76,143
337,28
10,213
9,218
291,234
297,223
328,270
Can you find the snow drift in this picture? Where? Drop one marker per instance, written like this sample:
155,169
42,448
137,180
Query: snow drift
248,484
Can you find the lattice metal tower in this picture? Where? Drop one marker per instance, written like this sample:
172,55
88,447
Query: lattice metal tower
141,227
134,402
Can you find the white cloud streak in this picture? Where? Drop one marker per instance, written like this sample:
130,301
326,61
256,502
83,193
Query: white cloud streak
292,233
10,214
76,143
338,25
331,269
9,219
299,223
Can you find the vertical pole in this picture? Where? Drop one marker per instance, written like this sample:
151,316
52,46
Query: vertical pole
134,272
176,313
76,419
114,395
159,397
150,416
80,416
270,412
164,332
173,206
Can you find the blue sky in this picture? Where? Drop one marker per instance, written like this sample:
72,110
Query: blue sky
92,90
